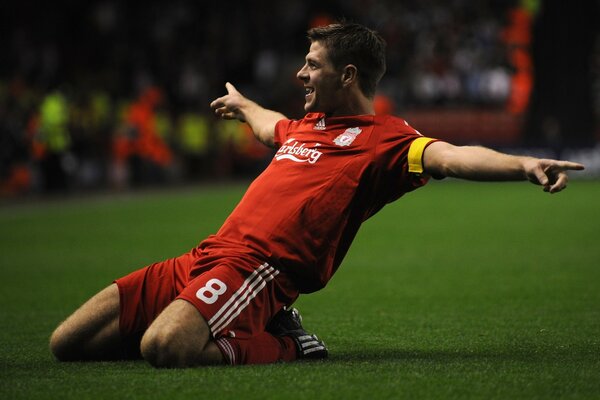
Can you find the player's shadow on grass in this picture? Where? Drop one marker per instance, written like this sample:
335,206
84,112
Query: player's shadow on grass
536,354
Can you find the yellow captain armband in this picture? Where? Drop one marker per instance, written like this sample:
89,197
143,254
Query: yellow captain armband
415,154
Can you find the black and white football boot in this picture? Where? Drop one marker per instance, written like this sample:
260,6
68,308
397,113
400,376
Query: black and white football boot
288,322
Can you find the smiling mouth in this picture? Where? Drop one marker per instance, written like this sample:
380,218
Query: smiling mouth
308,91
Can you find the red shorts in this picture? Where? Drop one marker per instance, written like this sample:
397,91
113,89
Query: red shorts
237,297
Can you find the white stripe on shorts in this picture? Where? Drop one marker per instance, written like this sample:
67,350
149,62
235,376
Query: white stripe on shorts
242,297
230,354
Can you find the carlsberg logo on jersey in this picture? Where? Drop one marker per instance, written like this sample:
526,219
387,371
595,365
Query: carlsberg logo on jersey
297,152
346,138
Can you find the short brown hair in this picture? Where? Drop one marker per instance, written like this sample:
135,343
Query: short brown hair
352,43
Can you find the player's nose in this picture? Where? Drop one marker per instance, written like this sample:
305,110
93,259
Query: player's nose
302,74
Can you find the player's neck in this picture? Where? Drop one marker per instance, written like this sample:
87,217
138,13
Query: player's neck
354,105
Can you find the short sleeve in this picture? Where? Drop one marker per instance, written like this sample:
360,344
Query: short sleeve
400,151
415,154
282,129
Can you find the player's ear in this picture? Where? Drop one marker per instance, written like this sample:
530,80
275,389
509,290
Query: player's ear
349,75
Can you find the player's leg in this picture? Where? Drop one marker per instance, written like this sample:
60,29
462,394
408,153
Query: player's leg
92,331
221,316
179,337
230,303
110,325
288,323
283,340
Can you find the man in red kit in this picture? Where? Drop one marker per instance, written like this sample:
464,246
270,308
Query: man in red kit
227,300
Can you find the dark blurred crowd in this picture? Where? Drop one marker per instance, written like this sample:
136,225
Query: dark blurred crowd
104,93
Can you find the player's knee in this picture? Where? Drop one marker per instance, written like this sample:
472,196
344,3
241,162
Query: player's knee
168,347
161,349
62,346
177,338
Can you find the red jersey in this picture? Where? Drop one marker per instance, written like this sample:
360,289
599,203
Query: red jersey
327,177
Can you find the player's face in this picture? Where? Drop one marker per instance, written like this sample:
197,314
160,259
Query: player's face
322,83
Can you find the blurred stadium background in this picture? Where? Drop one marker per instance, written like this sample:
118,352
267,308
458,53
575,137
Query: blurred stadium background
108,95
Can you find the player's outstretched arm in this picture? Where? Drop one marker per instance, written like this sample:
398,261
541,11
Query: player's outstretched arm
482,164
235,106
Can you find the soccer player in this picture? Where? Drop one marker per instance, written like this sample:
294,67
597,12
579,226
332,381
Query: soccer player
227,300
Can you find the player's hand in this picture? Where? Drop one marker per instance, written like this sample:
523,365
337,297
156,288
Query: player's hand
230,106
551,174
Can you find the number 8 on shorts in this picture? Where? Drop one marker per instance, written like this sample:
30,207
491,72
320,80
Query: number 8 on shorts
214,288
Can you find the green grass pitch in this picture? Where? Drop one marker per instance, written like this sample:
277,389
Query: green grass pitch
458,290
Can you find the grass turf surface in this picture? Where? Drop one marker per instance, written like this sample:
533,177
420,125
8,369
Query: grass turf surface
458,290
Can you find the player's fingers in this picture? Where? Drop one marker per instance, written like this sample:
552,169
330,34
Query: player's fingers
217,103
225,113
560,184
540,176
220,111
565,165
230,88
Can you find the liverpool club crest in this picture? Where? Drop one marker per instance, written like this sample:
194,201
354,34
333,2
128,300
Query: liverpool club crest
346,138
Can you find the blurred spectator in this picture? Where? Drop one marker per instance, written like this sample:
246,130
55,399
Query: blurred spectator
383,105
53,140
193,138
105,126
517,37
142,145
239,153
